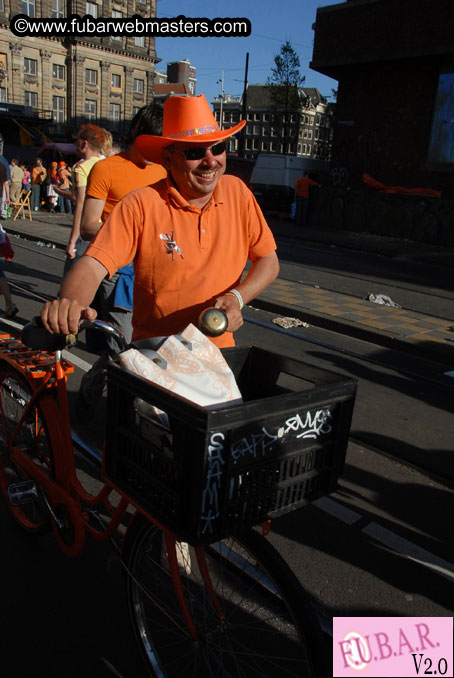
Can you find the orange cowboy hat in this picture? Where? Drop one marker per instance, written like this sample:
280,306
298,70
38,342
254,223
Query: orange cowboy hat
188,120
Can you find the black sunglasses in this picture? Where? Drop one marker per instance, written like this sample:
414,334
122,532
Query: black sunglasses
198,152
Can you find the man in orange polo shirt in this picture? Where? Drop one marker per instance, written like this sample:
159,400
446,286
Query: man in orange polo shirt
189,235
302,188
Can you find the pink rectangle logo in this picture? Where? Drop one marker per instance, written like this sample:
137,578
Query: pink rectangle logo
392,646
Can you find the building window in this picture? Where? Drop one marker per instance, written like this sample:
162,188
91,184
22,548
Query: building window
138,86
256,129
31,99
308,149
255,144
135,109
116,81
90,109
58,72
58,9
139,41
115,115
116,14
28,8
2,5
191,86
3,97
441,146
58,109
91,77
91,8
30,66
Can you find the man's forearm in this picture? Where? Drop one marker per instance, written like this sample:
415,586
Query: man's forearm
260,275
82,280
88,229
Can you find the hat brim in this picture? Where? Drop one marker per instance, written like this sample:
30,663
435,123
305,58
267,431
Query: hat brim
150,147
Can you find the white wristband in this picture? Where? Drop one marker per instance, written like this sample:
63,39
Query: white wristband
238,297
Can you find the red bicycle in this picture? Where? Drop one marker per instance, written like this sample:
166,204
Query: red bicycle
207,595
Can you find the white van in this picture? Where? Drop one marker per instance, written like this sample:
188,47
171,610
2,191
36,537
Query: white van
274,176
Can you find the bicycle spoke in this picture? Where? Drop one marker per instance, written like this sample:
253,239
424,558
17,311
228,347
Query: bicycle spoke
256,634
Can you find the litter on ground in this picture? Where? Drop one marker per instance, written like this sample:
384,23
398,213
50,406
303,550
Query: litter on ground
382,299
287,323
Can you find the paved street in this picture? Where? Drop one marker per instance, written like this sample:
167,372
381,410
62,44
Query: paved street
378,546
429,334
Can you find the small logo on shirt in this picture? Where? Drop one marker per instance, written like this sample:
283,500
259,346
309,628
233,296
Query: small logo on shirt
170,244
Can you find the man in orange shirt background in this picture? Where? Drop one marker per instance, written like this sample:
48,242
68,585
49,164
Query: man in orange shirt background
189,235
302,188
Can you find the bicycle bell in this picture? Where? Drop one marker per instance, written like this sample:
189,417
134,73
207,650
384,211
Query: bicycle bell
213,322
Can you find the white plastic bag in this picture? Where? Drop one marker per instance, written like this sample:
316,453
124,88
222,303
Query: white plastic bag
190,365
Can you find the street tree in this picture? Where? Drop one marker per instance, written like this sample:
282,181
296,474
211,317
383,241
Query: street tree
287,98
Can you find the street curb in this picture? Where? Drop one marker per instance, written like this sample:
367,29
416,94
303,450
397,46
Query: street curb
436,352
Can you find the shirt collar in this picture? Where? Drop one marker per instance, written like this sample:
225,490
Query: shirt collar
177,199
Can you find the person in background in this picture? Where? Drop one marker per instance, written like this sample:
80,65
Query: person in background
4,187
39,175
4,161
90,144
10,308
26,181
63,189
302,187
51,185
17,175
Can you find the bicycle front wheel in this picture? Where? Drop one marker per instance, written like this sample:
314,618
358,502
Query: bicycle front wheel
32,438
252,620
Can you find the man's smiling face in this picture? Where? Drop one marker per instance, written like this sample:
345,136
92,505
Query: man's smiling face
195,179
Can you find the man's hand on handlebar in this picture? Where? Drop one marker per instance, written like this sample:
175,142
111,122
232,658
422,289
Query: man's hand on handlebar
62,316
229,304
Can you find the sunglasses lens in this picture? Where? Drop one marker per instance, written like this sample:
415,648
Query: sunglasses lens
198,152
195,153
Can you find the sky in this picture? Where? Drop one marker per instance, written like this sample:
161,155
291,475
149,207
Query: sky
273,22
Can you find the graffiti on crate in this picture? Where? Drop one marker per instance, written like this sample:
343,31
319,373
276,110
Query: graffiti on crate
210,495
254,444
311,424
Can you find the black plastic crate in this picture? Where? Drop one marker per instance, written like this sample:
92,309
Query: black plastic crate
212,471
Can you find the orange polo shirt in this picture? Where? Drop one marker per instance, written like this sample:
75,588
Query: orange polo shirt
112,178
184,257
302,186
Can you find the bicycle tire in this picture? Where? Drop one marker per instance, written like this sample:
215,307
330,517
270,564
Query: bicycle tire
33,437
262,634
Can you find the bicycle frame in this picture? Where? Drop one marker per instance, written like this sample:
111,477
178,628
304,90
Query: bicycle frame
46,374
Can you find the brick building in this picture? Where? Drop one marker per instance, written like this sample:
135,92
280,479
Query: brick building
312,124
63,82
395,106
180,79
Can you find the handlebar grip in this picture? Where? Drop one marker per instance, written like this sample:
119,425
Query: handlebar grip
35,336
213,322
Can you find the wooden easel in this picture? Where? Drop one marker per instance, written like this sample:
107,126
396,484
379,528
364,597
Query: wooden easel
21,203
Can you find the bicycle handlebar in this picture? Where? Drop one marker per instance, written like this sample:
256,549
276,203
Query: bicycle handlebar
35,336
212,322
